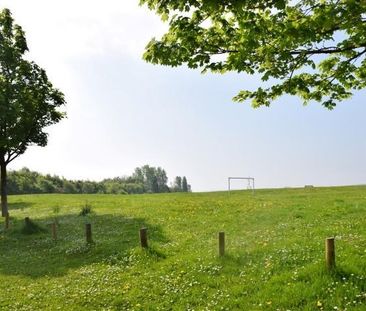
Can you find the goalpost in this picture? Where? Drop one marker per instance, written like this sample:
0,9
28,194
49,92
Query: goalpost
249,179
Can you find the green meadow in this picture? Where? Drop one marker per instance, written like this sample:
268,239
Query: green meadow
274,256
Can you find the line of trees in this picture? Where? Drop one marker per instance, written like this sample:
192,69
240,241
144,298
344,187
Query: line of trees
180,184
145,179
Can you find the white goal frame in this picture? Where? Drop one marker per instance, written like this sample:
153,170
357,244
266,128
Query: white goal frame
249,179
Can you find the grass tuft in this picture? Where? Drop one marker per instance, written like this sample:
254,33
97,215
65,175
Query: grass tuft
86,210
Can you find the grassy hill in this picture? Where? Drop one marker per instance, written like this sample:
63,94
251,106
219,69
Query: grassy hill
274,254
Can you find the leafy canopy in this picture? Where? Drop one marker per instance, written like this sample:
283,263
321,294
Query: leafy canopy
312,49
28,101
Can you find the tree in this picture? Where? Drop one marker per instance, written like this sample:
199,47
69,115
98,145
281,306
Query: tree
309,48
154,179
162,180
69,187
154,184
177,186
28,101
184,184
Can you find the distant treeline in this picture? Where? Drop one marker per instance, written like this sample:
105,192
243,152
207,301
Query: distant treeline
145,179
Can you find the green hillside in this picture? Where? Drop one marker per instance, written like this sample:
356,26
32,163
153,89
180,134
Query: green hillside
274,251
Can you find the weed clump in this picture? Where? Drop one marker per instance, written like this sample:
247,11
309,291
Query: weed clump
86,210
56,212
30,227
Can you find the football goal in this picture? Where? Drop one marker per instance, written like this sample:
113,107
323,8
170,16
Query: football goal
249,180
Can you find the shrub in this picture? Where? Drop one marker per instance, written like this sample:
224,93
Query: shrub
85,210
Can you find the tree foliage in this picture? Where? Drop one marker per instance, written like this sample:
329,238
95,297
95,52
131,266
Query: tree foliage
154,179
312,49
28,101
180,184
184,184
145,179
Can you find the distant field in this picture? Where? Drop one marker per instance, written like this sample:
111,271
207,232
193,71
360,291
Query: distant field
274,256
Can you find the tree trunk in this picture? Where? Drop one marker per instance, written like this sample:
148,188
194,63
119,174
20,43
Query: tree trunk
4,193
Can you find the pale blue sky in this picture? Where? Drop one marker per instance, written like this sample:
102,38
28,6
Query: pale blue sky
123,113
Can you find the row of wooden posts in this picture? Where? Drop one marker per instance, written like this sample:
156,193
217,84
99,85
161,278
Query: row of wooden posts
329,250
329,242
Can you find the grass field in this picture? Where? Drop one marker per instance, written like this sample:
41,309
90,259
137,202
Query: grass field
274,257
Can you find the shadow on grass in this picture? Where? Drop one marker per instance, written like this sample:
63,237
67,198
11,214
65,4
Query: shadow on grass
342,274
19,206
39,255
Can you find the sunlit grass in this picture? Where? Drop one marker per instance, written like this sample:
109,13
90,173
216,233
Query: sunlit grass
274,254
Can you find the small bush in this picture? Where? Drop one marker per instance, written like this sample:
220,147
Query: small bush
56,212
30,227
85,210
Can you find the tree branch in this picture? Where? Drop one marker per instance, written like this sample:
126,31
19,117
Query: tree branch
327,50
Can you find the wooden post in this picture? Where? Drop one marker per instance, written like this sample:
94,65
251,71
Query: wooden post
329,253
88,233
143,237
7,220
54,230
221,244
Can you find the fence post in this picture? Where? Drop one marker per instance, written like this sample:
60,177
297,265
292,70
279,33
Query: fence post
54,230
221,244
27,221
7,220
143,237
329,253
88,233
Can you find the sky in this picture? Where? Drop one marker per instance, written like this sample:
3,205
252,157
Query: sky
124,113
